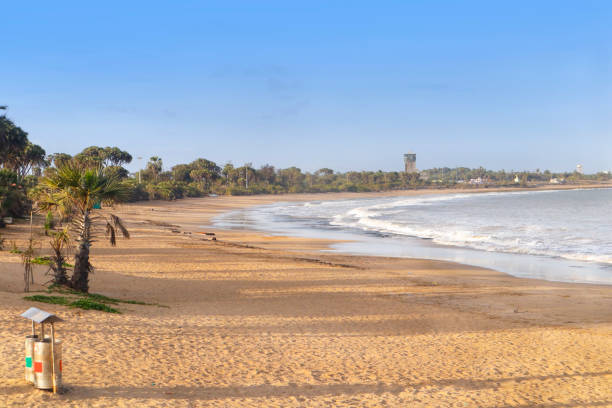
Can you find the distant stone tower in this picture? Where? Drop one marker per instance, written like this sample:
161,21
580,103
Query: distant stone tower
410,163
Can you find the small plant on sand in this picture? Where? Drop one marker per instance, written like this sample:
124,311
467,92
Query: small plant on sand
59,242
49,222
1,242
26,258
14,249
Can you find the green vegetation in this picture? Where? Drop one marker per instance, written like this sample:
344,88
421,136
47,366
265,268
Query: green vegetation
26,259
97,297
81,303
41,260
88,301
14,249
20,164
203,177
72,191
46,260
59,242
89,304
460,175
49,222
106,299
56,300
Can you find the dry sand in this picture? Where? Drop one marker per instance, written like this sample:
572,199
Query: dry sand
260,321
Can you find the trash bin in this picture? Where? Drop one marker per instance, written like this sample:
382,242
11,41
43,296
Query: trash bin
29,357
43,366
43,355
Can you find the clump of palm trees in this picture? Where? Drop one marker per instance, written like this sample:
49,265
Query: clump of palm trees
72,191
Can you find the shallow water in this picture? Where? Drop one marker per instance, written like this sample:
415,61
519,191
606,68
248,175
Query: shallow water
554,235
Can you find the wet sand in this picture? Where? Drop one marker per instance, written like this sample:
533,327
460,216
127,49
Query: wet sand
256,320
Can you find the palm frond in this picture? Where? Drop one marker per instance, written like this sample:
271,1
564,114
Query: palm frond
118,223
110,232
60,239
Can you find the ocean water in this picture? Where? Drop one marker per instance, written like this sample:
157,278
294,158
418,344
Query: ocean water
554,235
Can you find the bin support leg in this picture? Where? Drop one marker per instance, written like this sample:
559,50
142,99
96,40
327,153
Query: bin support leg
53,358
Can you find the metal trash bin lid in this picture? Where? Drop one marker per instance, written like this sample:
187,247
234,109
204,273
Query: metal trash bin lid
40,316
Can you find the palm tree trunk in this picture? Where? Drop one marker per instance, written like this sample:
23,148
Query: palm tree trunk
60,277
82,267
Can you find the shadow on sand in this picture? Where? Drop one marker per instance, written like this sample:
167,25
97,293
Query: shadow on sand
310,391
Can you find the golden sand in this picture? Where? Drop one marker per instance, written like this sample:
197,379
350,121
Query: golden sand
258,321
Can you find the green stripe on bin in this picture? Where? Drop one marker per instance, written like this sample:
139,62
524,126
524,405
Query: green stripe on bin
29,362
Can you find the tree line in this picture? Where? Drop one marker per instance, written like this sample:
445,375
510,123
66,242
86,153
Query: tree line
23,163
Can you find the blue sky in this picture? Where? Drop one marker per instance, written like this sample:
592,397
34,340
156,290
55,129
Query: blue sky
340,84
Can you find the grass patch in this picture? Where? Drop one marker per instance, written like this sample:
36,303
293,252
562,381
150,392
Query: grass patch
56,300
45,260
93,301
88,304
105,299
41,260
80,303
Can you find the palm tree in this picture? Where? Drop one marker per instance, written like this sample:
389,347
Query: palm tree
59,242
155,166
71,191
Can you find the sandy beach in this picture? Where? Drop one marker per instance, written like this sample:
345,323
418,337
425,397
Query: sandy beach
252,320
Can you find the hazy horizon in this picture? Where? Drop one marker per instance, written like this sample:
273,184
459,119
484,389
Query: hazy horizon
349,86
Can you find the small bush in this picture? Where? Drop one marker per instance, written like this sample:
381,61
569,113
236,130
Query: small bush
49,221
45,260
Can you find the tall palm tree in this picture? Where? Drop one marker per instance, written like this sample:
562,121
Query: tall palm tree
71,191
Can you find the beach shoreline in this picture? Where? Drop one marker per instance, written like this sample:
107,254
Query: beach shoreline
371,239
260,320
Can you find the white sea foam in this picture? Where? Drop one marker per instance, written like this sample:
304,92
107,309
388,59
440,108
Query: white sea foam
554,224
517,222
573,224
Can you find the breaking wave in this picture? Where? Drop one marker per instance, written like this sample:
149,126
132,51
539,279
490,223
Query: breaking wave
571,224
